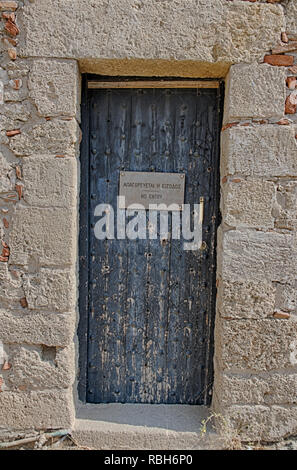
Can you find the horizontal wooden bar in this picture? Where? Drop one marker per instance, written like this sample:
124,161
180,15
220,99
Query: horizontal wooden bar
156,84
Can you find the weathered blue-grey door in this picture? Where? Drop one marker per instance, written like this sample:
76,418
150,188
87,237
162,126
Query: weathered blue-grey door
150,303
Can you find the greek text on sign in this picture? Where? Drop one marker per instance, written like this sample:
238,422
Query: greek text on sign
143,189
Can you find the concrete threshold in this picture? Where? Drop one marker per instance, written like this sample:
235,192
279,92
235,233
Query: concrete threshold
144,427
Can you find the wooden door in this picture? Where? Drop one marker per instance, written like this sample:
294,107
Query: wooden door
150,304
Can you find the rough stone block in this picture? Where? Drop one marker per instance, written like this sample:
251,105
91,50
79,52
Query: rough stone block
286,297
144,426
261,345
259,151
39,368
10,287
16,95
50,181
285,211
255,91
291,17
47,234
19,68
246,299
265,389
50,329
51,290
258,423
205,31
47,138
254,255
37,410
53,86
13,115
248,203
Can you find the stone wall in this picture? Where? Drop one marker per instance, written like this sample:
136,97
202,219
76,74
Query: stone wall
38,202
44,48
256,324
